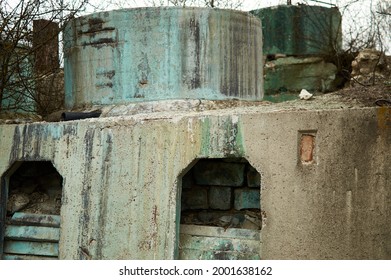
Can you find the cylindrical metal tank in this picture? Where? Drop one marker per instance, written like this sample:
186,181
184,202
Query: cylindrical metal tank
157,53
300,30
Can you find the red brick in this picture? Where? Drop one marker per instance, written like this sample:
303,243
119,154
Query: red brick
307,145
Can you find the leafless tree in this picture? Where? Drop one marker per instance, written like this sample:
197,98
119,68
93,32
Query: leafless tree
366,24
19,73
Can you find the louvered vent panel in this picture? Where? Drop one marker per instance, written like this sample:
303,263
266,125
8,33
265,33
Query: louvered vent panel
31,236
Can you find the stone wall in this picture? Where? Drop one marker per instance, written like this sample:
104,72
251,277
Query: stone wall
222,192
370,67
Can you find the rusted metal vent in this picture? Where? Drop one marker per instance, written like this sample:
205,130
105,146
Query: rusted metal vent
220,211
32,192
161,53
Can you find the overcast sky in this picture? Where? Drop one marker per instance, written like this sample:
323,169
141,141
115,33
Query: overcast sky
355,13
247,5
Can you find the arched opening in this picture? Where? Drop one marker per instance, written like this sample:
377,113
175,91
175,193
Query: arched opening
220,211
31,193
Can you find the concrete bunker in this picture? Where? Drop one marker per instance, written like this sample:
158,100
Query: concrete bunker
31,193
220,213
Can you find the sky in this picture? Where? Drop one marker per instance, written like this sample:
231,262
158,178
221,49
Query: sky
247,5
356,14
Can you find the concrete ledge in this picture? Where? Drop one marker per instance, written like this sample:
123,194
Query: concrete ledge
237,233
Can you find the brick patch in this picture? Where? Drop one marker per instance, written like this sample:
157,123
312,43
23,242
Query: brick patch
307,147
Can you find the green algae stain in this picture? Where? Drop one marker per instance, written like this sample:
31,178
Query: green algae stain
234,143
222,137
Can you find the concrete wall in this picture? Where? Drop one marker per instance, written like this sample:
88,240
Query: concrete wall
323,198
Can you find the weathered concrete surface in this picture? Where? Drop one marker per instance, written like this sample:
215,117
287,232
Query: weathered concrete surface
162,53
121,177
217,243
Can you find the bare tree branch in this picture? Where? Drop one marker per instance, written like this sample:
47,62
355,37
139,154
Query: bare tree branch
19,76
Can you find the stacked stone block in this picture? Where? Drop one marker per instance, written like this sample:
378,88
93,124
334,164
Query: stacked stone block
369,68
220,192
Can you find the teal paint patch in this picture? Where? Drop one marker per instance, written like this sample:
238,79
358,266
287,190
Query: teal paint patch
28,139
142,54
300,30
12,257
54,131
247,199
31,236
35,233
36,219
31,248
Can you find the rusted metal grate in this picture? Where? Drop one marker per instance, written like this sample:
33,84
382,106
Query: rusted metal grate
31,236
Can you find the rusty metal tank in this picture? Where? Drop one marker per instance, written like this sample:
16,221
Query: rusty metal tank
159,53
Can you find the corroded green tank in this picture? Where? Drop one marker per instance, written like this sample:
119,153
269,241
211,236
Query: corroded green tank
157,53
300,30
